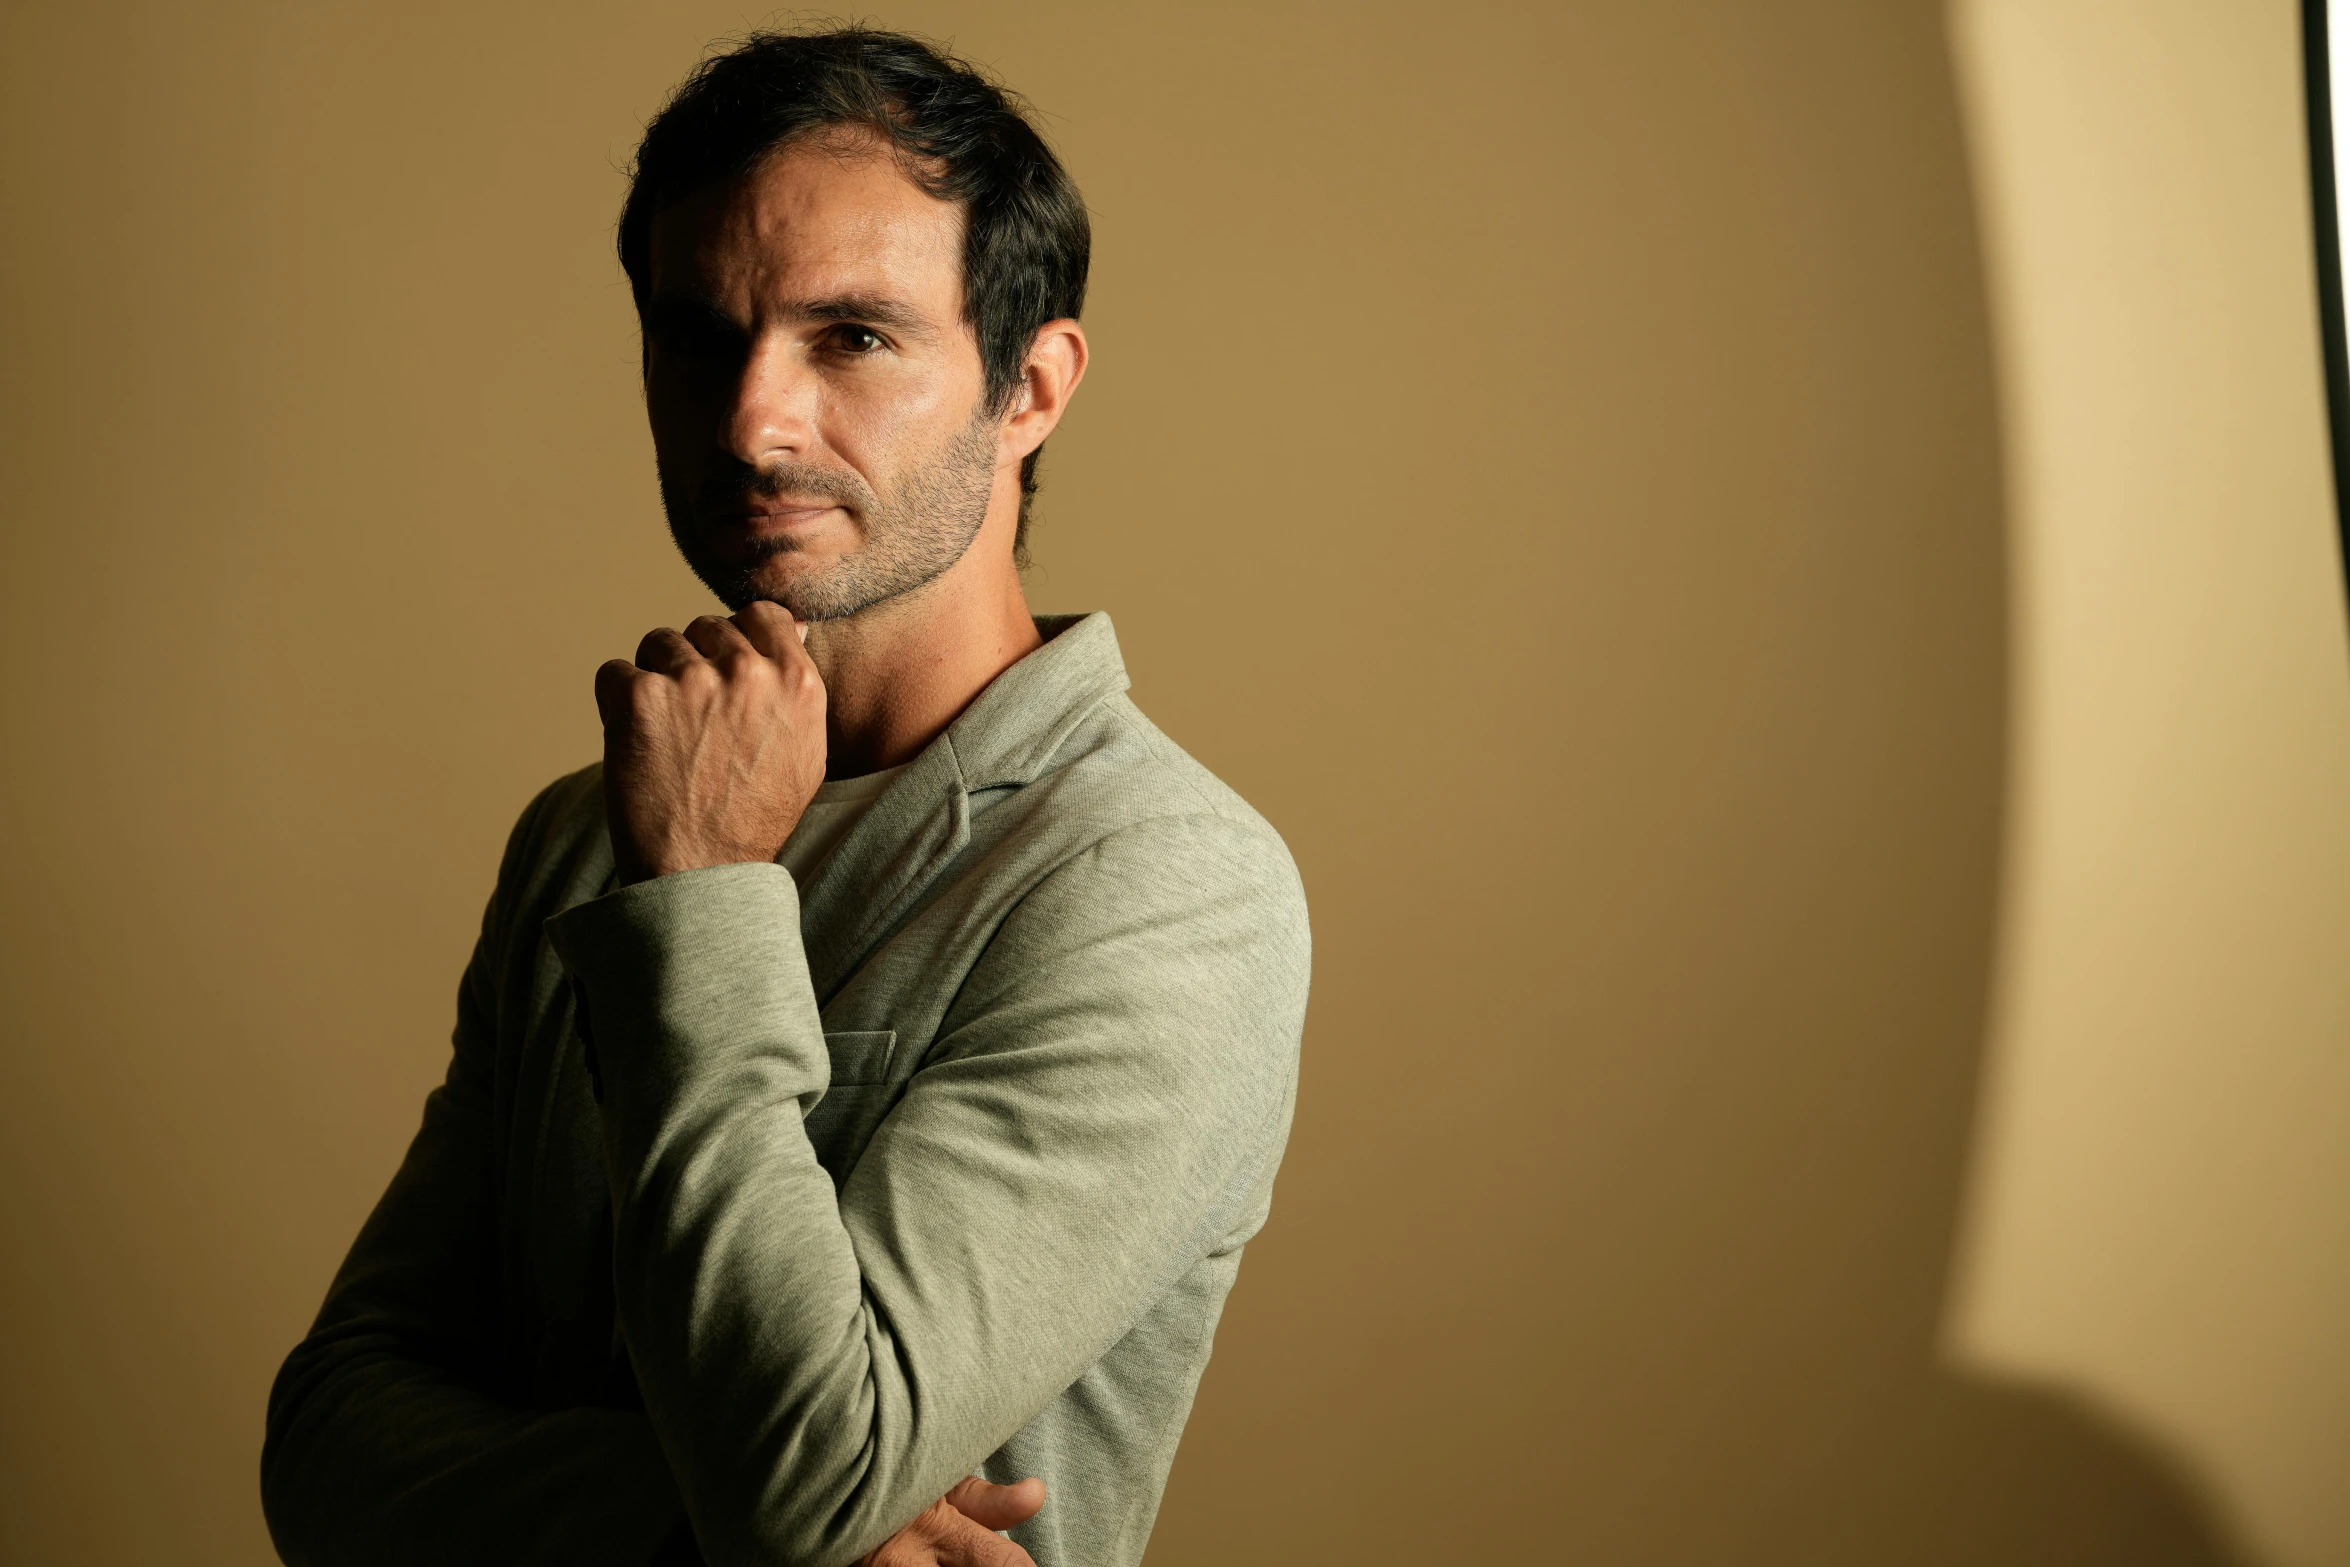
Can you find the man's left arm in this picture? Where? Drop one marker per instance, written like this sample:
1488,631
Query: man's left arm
1103,1106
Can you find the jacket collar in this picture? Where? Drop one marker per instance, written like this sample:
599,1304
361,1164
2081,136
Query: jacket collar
1007,737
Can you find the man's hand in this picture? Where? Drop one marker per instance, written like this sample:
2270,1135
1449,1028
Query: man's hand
713,743
957,1530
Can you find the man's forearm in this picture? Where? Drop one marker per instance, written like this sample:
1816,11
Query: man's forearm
738,1289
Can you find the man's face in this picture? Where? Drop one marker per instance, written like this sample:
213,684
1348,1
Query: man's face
815,395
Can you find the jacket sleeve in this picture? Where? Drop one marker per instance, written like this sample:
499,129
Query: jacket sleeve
388,1442
1103,1105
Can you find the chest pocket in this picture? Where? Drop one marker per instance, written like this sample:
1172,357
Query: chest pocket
860,1095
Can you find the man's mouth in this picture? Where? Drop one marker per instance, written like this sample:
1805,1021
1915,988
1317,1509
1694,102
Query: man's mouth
763,519
787,511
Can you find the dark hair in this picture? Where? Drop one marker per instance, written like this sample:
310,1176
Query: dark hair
1027,241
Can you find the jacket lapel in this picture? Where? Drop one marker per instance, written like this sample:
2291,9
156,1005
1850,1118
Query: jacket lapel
1006,737
893,854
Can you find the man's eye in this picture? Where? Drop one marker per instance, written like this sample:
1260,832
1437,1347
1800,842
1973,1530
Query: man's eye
855,339
696,339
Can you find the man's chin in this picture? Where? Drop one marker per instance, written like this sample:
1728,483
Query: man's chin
811,588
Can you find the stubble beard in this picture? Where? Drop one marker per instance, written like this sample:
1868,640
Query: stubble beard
923,528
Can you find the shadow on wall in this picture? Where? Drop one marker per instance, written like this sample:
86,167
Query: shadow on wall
1968,1472
1642,1071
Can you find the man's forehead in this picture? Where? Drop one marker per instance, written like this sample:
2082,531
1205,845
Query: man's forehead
813,219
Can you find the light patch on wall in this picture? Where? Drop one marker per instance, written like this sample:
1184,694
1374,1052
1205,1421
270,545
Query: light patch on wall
2338,70
2155,1213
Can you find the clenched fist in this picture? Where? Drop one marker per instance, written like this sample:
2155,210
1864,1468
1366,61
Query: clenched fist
713,743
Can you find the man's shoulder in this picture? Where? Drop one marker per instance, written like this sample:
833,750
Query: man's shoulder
1119,750
1118,777
1057,756
558,842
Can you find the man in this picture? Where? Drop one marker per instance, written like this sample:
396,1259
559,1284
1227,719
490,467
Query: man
866,1079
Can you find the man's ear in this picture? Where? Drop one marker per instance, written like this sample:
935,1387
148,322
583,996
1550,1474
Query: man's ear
1055,364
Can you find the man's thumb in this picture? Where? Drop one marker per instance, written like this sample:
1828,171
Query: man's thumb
997,1506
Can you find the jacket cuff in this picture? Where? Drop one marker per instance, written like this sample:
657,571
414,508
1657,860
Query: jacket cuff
691,979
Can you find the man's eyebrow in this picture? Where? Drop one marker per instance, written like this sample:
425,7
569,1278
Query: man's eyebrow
681,307
868,309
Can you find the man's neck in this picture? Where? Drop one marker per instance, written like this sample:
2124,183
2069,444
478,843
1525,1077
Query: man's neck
899,673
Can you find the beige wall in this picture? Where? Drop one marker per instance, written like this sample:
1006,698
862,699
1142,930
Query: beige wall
1546,456
2161,1215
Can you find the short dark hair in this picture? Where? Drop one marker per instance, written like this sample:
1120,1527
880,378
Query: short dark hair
1027,241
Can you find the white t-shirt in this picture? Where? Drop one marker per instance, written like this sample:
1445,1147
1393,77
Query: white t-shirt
840,803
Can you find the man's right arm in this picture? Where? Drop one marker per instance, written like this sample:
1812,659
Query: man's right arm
385,1443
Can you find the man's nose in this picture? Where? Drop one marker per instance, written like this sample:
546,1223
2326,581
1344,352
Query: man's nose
774,409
